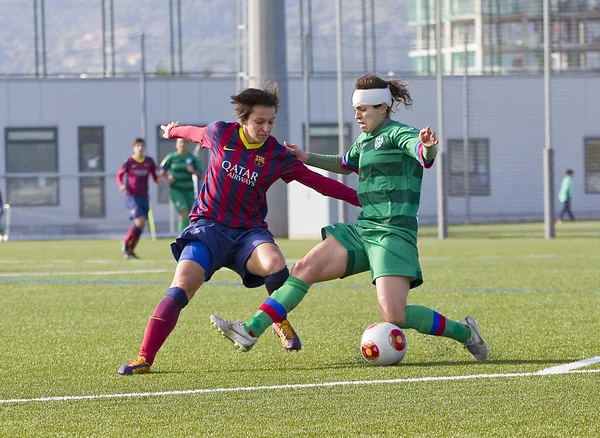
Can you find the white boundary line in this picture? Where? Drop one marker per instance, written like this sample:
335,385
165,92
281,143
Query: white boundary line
59,273
565,368
298,386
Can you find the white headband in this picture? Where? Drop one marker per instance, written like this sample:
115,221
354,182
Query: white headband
372,96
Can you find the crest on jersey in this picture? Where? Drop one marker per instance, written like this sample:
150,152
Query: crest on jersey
378,142
259,161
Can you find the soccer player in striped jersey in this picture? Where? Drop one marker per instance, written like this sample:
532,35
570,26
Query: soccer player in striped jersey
227,224
178,168
138,168
389,158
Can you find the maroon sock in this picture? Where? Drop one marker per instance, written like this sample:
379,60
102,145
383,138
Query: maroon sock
129,236
160,325
137,232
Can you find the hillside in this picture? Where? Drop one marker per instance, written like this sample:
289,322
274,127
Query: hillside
74,36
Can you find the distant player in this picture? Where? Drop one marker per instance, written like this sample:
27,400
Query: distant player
138,168
389,158
228,227
178,168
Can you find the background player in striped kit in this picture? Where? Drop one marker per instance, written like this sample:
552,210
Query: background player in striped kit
389,158
228,225
178,168
138,168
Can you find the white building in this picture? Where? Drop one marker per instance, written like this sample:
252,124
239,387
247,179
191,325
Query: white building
65,139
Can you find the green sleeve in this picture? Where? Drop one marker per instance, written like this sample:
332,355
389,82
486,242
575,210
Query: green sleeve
166,163
196,163
331,163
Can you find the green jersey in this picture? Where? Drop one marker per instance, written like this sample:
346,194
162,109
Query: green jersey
177,165
566,189
390,168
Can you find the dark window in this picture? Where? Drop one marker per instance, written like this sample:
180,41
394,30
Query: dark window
91,149
31,150
91,197
32,166
324,138
592,165
32,191
478,168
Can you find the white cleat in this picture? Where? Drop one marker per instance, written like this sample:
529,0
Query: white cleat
476,344
235,332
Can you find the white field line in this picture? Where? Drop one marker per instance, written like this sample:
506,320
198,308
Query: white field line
279,387
60,273
565,368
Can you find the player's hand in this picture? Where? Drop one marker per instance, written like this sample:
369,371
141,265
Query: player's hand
171,180
121,188
427,137
167,128
295,150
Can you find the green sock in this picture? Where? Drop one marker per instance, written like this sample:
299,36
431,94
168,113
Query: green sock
429,322
183,222
277,306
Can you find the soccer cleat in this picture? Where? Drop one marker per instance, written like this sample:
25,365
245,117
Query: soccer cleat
476,344
287,336
235,332
124,248
138,366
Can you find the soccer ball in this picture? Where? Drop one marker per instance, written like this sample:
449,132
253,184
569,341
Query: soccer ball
383,343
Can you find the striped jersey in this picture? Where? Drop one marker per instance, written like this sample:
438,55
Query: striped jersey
177,166
389,162
138,173
239,174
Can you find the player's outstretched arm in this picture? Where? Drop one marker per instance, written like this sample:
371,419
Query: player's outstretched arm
331,163
326,186
191,133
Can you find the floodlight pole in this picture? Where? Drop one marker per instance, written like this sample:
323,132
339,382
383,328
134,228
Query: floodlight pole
340,92
441,192
549,229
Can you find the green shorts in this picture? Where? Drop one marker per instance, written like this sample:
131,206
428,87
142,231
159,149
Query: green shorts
182,199
384,252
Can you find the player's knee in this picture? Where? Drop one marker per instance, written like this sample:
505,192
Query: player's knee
306,270
273,264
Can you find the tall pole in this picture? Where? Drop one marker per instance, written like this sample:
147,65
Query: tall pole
340,92
441,186
36,38
180,37
238,50
43,21
364,35
373,45
171,38
466,133
143,84
549,230
267,63
304,42
104,72
112,38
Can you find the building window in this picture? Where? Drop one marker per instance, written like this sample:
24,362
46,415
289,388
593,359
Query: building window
91,197
478,169
91,149
592,165
165,147
32,166
324,138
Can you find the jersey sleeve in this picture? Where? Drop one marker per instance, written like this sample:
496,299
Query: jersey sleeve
350,160
166,162
153,169
124,169
407,139
196,164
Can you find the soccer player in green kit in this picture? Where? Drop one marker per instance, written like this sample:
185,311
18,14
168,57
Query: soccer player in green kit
179,167
389,158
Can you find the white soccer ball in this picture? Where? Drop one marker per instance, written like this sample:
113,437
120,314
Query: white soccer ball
383,343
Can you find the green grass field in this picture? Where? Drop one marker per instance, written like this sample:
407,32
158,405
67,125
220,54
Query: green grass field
72,312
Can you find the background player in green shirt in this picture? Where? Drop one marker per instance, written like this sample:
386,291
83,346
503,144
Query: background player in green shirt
389,158
179,167
564,195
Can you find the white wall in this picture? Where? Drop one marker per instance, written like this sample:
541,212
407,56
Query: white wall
509,111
